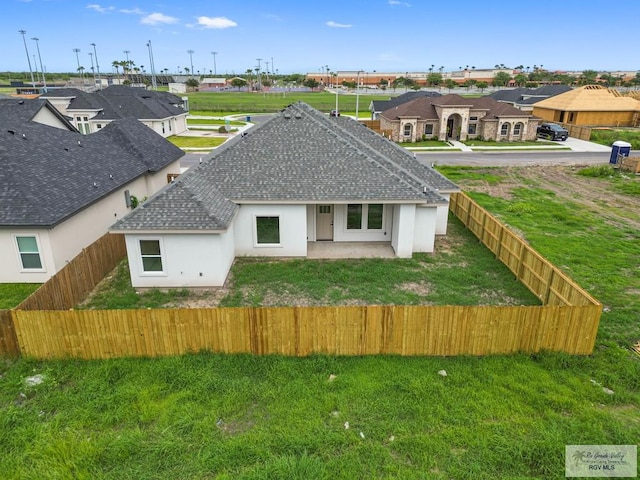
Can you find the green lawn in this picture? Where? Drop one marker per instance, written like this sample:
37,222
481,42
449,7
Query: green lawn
196,142
437,279
213,121
489,143
243,417
425,143
610,135
11,294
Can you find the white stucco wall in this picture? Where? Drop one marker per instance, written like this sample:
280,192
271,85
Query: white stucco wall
293,232
188,260
62,243
46,117
424,231
402,238
341,234
443,215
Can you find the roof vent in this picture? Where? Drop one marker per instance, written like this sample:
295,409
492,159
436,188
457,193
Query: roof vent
95,185
24,136
287,115
12,132
66,149
298,115
79,144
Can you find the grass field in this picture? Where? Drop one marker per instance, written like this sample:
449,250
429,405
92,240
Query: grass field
608,136
11,294
229,102
197,142
210,416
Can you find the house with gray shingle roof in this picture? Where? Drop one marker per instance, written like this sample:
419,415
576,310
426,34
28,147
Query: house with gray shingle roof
378,106
525,98
163,112
300,177
458,118
61,190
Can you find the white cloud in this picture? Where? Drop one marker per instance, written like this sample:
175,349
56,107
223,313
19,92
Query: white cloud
275,18
333,24
396,2
157,19
216,22
99,8
135,11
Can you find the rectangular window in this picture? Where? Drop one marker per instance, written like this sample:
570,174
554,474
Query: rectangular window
29,253
428,129
472,128
374,217
151,255
473,119
268,230
324,208
354,217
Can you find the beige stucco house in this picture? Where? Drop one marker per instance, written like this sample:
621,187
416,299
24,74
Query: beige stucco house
452,117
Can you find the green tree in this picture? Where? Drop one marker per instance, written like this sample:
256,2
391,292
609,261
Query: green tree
470,83
588,77
192,83
311,83
434,79
450,84
238,83
482,85
521,79
501,79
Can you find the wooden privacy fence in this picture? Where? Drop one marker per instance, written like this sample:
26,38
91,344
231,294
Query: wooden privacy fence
567,321
577,131
79,277
540,276
301,331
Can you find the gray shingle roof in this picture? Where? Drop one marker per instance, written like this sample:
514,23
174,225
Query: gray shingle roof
382,105
297,156
121,101
48,174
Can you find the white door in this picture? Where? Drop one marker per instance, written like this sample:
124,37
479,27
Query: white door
324,222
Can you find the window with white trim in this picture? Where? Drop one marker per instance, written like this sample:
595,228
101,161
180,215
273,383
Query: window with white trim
29,252
268,230
504,129
428,129
83,125
473,128
365,217
151,255
517,129
407,129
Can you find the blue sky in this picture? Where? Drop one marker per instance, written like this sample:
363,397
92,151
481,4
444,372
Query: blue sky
300,36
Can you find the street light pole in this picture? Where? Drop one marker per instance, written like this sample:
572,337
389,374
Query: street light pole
77,51
154,83
357,92
33,83
95,53
44,78
215,72
92,70
191,52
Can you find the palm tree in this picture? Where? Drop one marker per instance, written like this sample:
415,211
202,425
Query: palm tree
116,64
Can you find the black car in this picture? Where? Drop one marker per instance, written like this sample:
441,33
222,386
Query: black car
552,131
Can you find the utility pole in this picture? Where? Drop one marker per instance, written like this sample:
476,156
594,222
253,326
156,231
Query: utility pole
44,78
95,53
33,83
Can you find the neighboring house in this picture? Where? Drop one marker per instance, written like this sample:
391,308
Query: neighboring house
299,177
591,105
524,98
163,112
61,190
454,117
378,106
213,82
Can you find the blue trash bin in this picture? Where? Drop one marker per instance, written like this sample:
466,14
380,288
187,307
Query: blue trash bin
248,118
619,149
